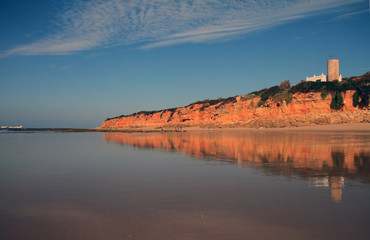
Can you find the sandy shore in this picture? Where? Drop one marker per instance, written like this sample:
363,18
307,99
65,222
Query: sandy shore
363,127
332,127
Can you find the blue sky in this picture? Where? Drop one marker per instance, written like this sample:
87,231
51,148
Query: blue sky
75,63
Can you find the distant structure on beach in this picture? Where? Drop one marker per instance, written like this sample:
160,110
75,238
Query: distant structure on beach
15,127
333,73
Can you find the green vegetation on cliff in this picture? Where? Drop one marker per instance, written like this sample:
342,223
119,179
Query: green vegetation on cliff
336,101
284,92
360,84
356,99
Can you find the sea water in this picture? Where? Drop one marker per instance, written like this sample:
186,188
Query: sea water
189,185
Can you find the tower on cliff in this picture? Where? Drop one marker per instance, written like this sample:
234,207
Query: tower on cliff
333,70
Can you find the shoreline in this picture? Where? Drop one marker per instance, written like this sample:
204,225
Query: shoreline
321,128
341,127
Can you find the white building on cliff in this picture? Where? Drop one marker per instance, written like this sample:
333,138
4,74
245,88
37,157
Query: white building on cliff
333,73
321,78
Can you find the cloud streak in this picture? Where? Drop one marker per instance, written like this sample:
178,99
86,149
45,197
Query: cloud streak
87,25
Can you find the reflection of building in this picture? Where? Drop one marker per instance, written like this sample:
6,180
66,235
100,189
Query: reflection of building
335,183
319,182
336,186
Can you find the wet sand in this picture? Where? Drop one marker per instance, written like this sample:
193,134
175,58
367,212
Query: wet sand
211,184
331,127
363,127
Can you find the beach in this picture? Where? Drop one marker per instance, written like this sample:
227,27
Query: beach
365,127
286,183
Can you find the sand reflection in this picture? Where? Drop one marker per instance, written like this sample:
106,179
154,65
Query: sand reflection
324,159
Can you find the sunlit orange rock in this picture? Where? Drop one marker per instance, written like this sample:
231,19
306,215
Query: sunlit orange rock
304,109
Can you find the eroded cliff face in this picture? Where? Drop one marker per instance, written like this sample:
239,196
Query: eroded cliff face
304,109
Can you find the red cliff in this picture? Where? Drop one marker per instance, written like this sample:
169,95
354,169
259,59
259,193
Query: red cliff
302,110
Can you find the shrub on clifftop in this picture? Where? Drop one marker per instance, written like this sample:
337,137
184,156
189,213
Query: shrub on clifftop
267,93
285,84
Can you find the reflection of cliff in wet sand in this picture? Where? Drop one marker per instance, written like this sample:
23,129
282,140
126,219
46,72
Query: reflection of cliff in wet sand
311,151
311,156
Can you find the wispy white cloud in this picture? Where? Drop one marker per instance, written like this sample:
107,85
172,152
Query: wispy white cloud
350,15
86,25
